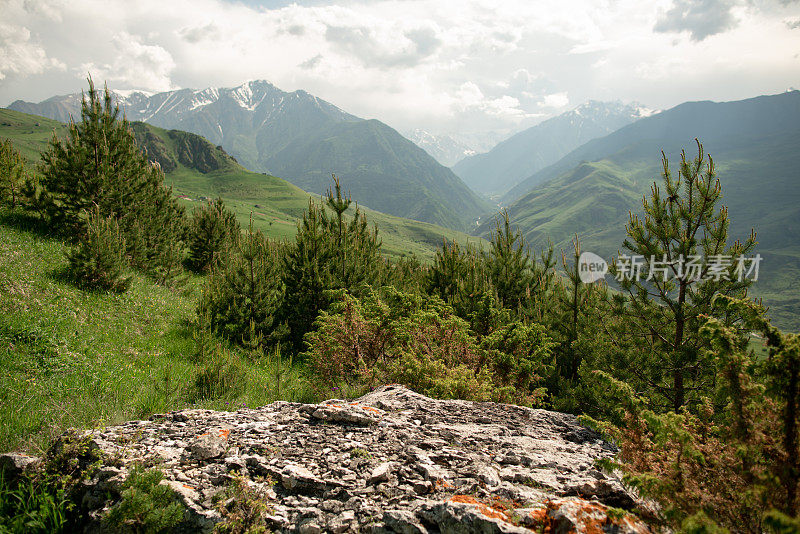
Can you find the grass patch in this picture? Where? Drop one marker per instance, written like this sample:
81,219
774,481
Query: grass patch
71,358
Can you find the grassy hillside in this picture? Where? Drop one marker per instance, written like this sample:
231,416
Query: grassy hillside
196,168
760,185
72,358
530,150
29,133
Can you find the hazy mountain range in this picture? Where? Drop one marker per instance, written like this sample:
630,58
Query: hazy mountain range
450,148
530,150
264,128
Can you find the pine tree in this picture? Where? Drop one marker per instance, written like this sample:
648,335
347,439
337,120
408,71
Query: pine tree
100,164
460,276
660,318
444,278
98,261
213,227
356,246
244,291
339,204
307,274
12,174
521,282
329,253
160,225
576,305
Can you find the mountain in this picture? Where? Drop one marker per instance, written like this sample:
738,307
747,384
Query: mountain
256,121
371,155
450,148
198,169
444,148
707,121
62,107
253,118
521,155
754,146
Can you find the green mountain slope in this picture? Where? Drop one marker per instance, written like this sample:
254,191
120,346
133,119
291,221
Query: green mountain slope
196,169
754,145
530,150
289,135
383,169
721,124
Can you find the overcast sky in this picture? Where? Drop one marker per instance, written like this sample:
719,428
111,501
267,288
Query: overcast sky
444,66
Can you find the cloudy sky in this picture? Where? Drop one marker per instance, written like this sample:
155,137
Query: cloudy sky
442,65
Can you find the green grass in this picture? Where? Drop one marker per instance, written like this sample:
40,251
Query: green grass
71,358
29,133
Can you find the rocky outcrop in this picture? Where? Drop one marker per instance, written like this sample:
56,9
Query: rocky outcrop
392,461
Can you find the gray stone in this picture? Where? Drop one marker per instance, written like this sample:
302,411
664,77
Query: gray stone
381,473
298,478
403,522
210,444
469,518
392,461
12,464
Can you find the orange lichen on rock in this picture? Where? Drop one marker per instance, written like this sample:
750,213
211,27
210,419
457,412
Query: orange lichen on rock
465,499
224,433
581,516
440,483
496,509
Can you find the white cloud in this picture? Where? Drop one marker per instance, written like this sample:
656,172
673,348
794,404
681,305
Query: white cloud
555,100
200,33
701,18
469,95
436,64
134,64
19,55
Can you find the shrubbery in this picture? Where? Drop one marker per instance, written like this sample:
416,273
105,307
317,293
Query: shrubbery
734,462
389,336
146,505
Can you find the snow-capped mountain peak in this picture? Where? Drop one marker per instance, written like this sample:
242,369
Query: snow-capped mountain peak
204,98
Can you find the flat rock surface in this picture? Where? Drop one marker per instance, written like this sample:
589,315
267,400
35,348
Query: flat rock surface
391,461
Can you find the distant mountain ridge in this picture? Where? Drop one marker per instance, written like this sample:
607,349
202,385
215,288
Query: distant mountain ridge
256,121
234,118
523,154
672,129
450,148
